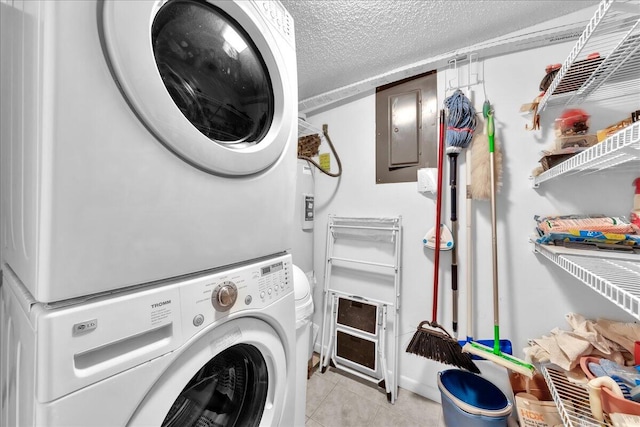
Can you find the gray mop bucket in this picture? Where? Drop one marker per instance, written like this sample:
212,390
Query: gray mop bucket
471,401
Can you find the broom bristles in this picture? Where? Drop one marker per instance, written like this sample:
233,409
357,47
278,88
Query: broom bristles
441,347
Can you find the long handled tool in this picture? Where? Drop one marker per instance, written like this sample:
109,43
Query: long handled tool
494,354
461,125
479,139
431,340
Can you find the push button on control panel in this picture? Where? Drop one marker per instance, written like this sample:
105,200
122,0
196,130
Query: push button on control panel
198,320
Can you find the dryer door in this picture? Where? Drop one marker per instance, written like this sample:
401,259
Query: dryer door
235,375
213,80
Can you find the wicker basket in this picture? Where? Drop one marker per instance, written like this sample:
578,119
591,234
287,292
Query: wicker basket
308,145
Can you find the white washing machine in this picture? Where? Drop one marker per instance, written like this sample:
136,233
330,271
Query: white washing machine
217,349
143,140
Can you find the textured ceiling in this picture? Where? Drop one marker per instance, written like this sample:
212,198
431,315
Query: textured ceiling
340,42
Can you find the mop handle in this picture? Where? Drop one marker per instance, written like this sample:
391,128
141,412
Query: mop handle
494,238
453,168
470,332
436,261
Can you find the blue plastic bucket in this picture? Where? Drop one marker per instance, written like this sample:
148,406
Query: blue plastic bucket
471,401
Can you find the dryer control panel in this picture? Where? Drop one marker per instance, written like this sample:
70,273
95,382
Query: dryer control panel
251,287
279,17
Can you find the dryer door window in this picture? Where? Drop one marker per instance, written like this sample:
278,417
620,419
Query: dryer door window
230,390
214,81
213,72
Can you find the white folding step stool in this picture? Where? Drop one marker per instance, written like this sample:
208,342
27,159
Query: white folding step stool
355,322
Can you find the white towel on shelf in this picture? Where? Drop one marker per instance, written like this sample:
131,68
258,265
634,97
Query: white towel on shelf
590,331
601,338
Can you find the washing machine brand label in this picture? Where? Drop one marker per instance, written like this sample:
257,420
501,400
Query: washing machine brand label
161,312
160,304
84,327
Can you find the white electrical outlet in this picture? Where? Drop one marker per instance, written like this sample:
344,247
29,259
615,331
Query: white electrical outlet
308,211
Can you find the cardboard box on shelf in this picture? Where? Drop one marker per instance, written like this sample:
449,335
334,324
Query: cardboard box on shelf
608,131
533,401
582,141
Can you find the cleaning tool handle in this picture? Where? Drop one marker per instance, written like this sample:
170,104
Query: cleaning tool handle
495,354
453,168
436,261
469,271
491,132
486,108
496,339
454,291
494,233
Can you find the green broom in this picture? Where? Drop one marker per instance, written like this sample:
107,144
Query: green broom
431,340
495,354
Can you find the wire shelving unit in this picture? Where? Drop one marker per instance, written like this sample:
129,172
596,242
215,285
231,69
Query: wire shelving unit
604,62
571,399
615,276
621,150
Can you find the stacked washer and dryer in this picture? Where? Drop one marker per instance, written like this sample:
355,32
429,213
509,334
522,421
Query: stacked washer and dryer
147,153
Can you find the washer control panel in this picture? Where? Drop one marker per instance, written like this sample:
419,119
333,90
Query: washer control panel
250,287
224,296
272,281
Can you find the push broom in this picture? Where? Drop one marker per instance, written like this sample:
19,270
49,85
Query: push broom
495,354
478,167
431,340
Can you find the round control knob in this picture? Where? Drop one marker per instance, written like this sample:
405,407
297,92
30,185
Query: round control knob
224,296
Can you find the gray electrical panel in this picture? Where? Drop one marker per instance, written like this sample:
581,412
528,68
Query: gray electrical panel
406,128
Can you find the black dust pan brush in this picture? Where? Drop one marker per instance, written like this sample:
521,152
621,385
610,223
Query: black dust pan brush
431,340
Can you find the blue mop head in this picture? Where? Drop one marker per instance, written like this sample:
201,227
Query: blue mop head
461,122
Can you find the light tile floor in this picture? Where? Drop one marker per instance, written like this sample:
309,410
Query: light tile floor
338,399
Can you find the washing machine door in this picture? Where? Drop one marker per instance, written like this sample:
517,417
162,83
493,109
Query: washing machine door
215,81
235,375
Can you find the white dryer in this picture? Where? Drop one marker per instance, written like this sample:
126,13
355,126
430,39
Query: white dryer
210,350
143,140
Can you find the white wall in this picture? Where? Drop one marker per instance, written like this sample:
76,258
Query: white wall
535,295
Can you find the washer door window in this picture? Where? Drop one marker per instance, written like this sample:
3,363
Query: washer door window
230,390
207,78
234,374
